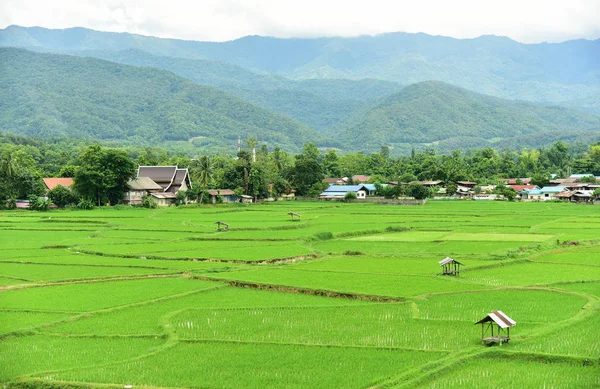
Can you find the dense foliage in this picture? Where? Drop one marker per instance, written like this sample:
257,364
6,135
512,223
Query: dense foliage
101,173
56,95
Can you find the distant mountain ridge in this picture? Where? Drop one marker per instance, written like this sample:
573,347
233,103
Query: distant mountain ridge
448,117
491,65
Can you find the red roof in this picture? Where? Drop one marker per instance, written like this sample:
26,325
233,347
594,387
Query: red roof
52,183
513,181
361,179
521,187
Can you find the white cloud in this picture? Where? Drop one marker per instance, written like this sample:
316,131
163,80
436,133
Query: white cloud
522,20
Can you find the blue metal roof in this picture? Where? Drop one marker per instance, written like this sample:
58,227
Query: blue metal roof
552,189
345,188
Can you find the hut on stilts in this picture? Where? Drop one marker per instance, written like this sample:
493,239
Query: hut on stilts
502,323
450,267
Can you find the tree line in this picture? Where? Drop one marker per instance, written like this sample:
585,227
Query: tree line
101,173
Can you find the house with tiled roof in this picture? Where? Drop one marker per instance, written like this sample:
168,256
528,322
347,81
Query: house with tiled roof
160,182
170,178
51,183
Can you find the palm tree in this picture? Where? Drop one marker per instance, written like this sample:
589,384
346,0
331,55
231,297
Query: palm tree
8,172
252,143
205,169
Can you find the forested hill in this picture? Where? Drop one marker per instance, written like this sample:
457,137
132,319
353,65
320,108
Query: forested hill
492,65
319,103
53,95
449,117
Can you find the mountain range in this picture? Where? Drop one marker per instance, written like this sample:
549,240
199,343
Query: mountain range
356,94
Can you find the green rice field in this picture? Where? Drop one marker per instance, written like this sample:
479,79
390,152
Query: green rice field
350,296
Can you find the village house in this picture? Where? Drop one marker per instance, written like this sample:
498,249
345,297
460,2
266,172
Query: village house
339,191
51,183
138,188
546,193
226,194
164,199
168,180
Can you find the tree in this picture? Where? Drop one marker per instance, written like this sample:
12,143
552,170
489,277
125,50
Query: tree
103,174
331,164
451,189
540,180
61,196
308,169
588,179
252,143
350,196
417,191
204,172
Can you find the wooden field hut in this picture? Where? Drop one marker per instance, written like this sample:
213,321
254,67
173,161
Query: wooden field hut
222,226
295,216
450,266
502,323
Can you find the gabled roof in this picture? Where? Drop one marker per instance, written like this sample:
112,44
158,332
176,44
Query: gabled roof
552,189
448,260
522,187
143,183
168,177
159,174
513,181
499,318
52,183
334,180
361,179
345,188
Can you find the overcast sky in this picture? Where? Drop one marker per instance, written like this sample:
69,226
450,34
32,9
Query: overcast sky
526,21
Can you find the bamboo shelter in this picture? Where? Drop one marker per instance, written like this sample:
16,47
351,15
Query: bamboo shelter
502,323
450,267
222,226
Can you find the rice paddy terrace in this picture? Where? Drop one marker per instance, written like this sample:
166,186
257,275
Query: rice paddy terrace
350,296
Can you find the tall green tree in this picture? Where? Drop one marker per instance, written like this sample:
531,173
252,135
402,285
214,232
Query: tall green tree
103,174
308,170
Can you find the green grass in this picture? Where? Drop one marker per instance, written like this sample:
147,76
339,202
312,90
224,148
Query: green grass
516,373
231,365
47,273
530,260
356,283
94,296
37,354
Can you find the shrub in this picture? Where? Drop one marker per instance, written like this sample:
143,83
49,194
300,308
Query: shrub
417,191
324,235
148,202
60,196
350,196
85,204
38,203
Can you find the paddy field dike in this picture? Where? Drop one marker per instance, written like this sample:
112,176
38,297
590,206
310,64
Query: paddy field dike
349,296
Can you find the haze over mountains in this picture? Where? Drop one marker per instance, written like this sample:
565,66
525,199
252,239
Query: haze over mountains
356,94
